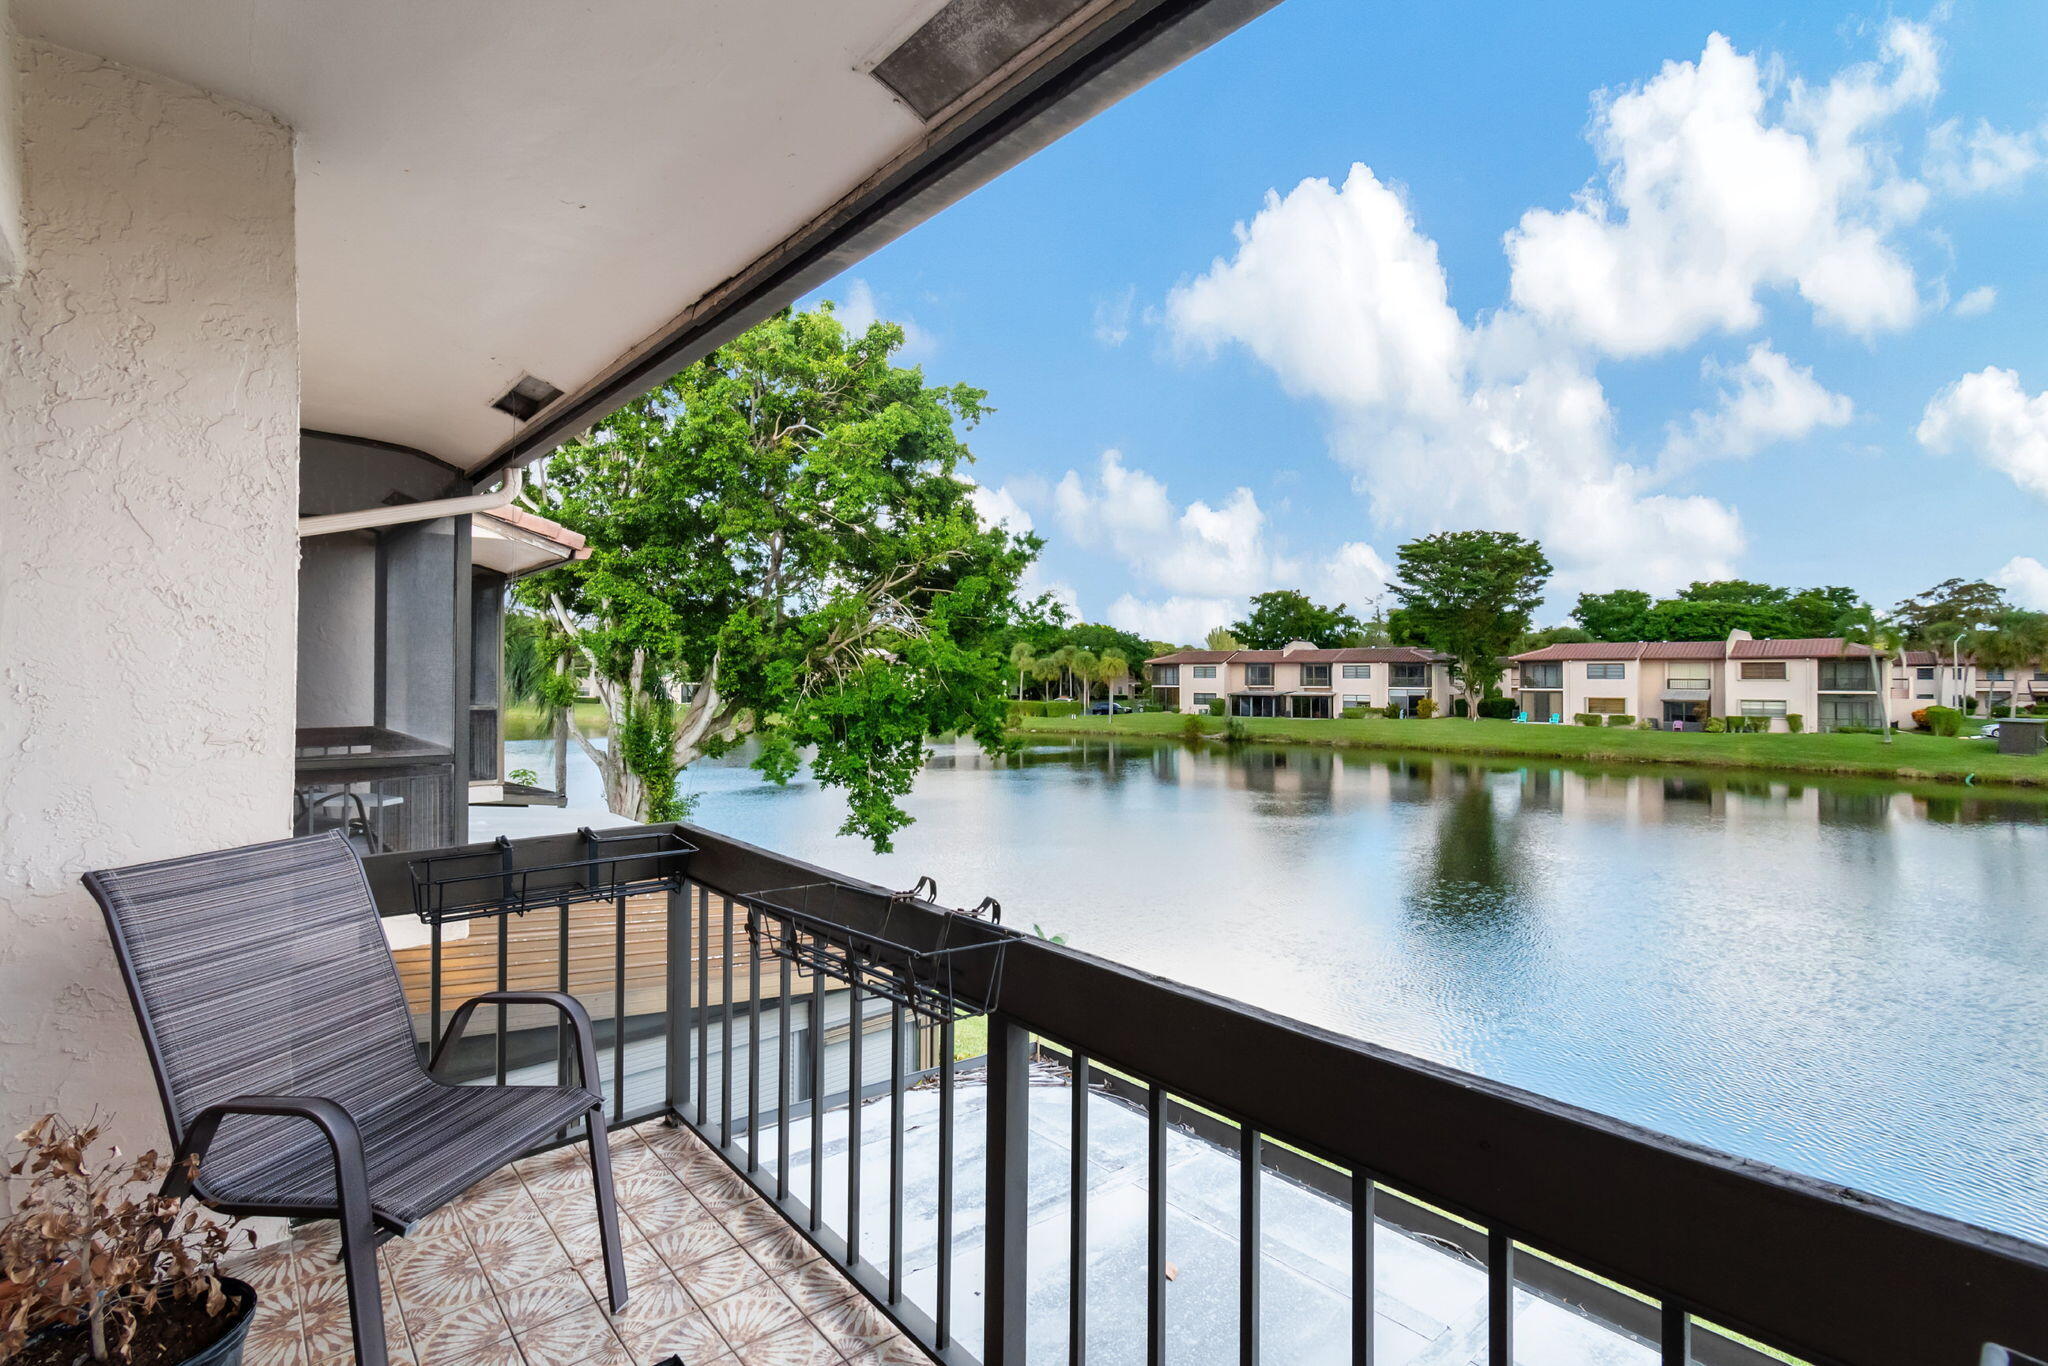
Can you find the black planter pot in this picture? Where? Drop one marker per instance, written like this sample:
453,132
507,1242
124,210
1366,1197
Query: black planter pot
225,1350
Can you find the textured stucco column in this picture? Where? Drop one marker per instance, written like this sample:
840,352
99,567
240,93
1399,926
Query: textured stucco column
149,402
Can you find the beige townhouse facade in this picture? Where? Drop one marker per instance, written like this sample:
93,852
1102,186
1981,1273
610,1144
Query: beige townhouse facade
1826,682
1300,680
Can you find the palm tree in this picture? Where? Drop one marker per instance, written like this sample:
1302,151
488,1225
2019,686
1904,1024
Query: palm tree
1219,638
1063,661
2015,640
1044,669
1081,664
1112,671
1024,661
1864,626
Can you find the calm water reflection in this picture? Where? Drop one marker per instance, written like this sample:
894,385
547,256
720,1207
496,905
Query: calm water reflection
1845,979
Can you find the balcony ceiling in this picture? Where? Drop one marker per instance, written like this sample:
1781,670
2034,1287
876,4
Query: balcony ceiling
487,190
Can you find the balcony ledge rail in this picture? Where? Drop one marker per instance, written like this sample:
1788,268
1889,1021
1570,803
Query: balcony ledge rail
1546,1196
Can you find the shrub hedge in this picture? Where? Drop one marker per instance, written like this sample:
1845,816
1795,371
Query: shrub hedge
1498,708
1943,720
1585,718
1618,719
1045,709
1215,706
1794,722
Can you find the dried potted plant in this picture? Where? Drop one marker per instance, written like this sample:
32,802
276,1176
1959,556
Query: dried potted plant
95,1266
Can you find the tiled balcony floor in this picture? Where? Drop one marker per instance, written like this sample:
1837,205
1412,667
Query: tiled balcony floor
510,1275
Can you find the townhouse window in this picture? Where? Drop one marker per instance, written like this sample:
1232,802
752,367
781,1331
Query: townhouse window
1203,699
1848,675
1923,697
1614,706
1411,676
1927,675
1357,700
1995,675
1358,671
2041,675
1763,706
1689,683
1546,675
1607,671
1165,675
1763,669
1315,675
1205,670
1258,675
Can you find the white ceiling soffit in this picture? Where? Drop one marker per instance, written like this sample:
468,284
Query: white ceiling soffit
589,193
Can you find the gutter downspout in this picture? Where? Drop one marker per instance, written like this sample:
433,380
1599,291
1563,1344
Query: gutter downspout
515,479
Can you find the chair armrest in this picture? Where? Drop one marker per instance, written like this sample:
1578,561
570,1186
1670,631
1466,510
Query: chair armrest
579,1020
344,1139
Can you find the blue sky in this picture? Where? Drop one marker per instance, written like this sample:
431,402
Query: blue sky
1680,305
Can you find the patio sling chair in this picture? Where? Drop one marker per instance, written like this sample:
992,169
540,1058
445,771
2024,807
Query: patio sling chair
275,1023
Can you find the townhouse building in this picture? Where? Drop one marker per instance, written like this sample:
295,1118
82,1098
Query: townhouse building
1827,682
1300,680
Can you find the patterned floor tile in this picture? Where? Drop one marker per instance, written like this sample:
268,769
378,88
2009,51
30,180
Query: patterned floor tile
573,1339
814,1286
751,1314
658,1211
537,1302
329,1328
656,1297
897,1351
783,1250
716,1277
504,1353
797,1345
754,1219
445,1277
515,1251
690,1337
444,1334
693,1243
277,1349
854,1325
272,1270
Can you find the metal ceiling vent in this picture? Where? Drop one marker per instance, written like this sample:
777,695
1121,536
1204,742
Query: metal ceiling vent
963,45
527,397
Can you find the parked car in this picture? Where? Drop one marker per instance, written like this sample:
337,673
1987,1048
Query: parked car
1107,709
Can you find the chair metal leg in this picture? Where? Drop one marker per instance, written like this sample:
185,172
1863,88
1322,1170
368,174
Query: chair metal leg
365,1294
607,1209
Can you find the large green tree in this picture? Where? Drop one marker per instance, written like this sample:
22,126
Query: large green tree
1284,615
782,544
1693,619
1932,619
1469,594
1615,615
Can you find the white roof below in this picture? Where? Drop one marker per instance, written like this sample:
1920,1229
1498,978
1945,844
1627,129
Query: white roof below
487,190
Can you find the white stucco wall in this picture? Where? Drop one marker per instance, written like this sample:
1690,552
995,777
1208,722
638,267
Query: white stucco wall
148,487
10,151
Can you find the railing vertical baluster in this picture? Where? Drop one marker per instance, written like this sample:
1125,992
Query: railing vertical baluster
782,1086
1250,1241
1363,1204
434,987
1077,1217
1675,1342
753,1055
678,1034
1500,1298
895,1153
565,1037
944,1316
703,1005
1155,1226
619,1010
856,1073
725,1030
501,1045
817,1032
1005,1284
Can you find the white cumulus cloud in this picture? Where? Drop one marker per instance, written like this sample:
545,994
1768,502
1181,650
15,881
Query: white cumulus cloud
1339,293
1986,159
1975,303
860,308
1765,399
2026,579
1113,316
1990,416
1182,620
1719,185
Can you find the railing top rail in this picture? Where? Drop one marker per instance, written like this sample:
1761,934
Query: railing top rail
1833,1274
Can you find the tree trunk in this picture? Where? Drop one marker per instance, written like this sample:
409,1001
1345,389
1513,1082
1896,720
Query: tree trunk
562,750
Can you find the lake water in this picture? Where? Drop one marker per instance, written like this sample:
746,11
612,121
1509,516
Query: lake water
1841,978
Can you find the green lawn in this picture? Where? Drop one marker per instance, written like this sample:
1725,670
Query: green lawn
526,723
1911,757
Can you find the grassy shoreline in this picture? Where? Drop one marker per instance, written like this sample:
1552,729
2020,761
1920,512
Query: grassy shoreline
1912,757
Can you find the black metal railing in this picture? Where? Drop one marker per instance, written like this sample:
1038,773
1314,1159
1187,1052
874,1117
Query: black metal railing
772,1025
